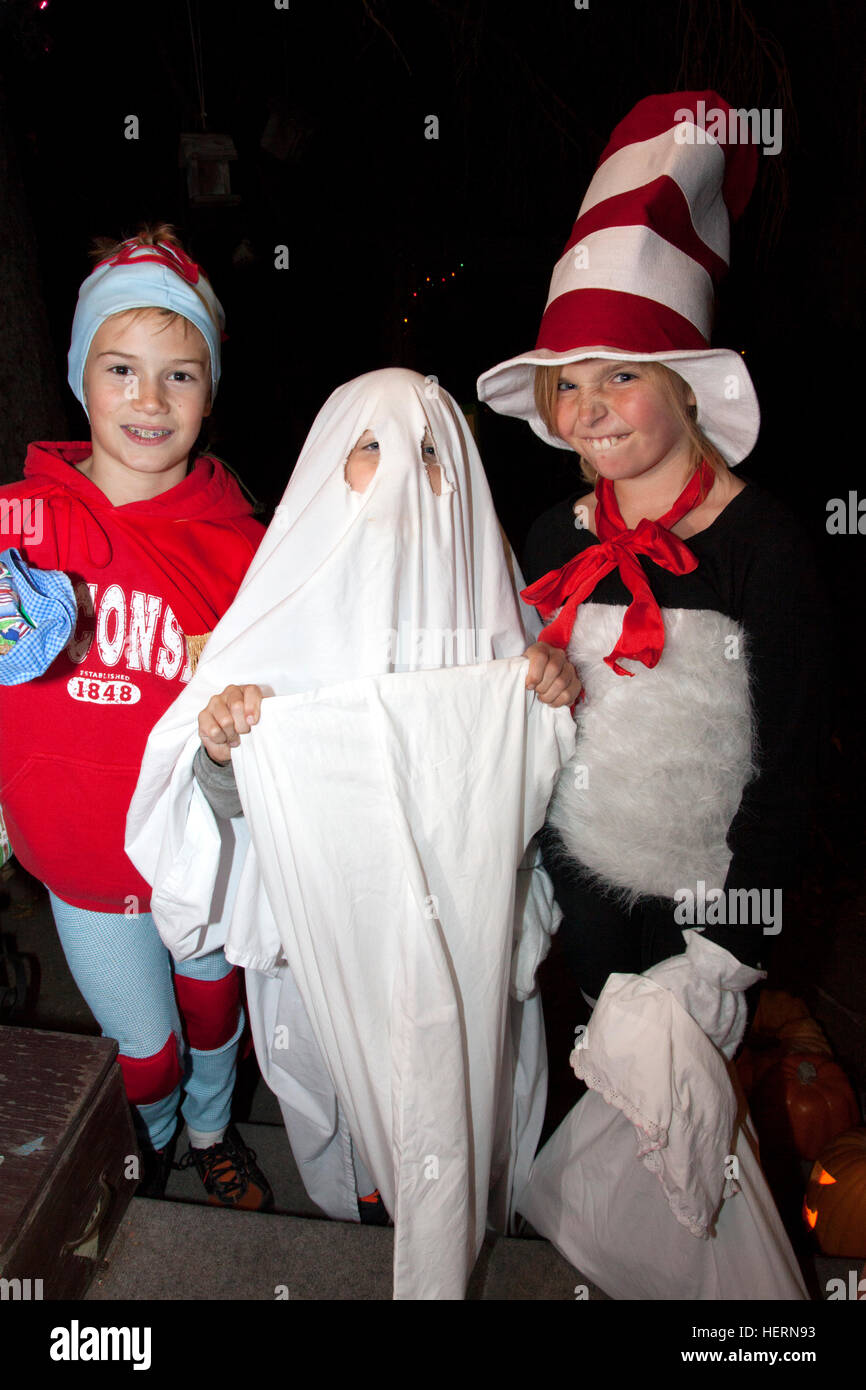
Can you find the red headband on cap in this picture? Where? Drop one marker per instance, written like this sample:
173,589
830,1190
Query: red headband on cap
173,257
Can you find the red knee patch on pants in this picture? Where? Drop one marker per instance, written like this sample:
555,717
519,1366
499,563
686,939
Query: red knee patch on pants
210,1009
148,1079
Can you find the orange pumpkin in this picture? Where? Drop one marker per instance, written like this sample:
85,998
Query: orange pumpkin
835,1203
775,1009
805,1036
802,1103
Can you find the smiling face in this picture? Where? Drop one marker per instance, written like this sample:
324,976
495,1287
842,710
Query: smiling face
147,386
363,461
618,418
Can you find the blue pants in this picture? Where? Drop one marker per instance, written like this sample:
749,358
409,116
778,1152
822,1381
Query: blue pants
126,975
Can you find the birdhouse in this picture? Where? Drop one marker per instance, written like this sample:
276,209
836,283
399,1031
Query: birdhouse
206,159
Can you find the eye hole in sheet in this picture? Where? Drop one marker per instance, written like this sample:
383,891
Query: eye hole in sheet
362,463
435,472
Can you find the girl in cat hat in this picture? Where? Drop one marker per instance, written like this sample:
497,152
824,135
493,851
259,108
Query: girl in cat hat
684,596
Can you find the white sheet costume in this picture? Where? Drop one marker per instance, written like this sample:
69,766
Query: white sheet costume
390,790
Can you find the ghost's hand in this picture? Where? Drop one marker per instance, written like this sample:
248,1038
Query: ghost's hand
551,675
226,717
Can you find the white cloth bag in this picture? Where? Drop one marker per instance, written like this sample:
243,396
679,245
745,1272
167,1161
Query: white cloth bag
635,1187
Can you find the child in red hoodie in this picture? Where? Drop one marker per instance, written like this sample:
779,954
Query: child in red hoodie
155,549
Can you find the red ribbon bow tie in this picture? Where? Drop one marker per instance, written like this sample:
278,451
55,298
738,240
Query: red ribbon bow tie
132,252
643,634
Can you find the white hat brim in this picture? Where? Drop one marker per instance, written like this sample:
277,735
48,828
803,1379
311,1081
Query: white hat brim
728,410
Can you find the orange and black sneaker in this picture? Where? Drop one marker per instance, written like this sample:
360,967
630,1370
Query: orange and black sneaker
230,1174
372,1210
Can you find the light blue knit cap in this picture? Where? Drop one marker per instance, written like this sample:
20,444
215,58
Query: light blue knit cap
144,277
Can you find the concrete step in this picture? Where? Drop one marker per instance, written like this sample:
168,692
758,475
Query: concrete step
185,1248
179,1250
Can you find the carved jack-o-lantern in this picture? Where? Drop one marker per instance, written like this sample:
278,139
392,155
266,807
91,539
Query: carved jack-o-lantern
835,1203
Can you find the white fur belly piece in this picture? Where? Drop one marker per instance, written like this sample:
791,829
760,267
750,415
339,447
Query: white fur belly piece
661,757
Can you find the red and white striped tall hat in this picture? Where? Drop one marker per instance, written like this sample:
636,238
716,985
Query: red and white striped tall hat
638,275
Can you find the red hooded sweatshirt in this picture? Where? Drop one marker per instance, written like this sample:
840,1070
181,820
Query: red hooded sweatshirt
149,576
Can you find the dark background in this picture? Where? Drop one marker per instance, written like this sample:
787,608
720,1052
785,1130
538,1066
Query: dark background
526,96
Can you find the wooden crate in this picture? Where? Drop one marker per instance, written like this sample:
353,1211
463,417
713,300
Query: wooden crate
66,1140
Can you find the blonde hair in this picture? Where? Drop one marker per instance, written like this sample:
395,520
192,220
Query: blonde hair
675,391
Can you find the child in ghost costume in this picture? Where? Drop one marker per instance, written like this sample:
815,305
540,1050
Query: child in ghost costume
687,603
391,785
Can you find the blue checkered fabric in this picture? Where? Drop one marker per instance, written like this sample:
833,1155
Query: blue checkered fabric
47,602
